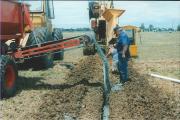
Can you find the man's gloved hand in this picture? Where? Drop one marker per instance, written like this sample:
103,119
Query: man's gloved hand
123,56
114,45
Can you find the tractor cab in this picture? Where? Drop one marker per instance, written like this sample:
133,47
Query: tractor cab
41,12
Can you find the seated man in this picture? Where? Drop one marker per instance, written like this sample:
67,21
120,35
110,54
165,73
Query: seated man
113,51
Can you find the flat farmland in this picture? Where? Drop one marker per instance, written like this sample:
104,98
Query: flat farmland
158,46
73,88
146,97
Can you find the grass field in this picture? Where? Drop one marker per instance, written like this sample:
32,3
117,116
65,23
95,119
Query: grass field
64,93
72,34
158,46
159,52
153,45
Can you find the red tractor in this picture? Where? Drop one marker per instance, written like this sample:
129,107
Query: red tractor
15,22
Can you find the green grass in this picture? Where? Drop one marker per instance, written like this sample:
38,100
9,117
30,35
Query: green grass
158,46
75,33
160,52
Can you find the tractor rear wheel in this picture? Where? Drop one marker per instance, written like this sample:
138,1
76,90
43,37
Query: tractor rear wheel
57,35
39,36
9,75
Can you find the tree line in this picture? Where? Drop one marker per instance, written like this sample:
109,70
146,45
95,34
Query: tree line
152,28
75,29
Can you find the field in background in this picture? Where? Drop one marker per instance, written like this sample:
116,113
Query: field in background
152,46
72,88
159,52
72,34
158,46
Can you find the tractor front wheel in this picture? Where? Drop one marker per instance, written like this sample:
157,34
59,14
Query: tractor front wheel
57,35
39,36
8,74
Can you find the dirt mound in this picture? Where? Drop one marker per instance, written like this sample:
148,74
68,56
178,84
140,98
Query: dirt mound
71,91
60,104
139,100
89,69
79,98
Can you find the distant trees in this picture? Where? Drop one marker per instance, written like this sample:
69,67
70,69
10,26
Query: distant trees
152,28
170,29
178,28
142,27
76,29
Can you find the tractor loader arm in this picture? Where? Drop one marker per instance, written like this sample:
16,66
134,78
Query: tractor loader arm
47,47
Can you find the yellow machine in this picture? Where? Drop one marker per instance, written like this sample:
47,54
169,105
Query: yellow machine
104,17
41,13
131,32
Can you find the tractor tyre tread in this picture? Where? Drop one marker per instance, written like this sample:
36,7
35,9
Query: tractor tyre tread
6,60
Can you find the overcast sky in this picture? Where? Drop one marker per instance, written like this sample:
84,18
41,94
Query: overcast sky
74,14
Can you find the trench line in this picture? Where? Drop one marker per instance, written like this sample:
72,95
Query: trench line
107,86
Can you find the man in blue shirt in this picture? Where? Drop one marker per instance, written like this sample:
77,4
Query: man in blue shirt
122,46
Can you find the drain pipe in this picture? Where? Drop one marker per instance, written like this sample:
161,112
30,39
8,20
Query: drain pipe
107,86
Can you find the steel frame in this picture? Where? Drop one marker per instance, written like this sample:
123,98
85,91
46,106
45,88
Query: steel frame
49,47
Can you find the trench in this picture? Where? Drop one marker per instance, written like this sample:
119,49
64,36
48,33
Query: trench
107,85
105,108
